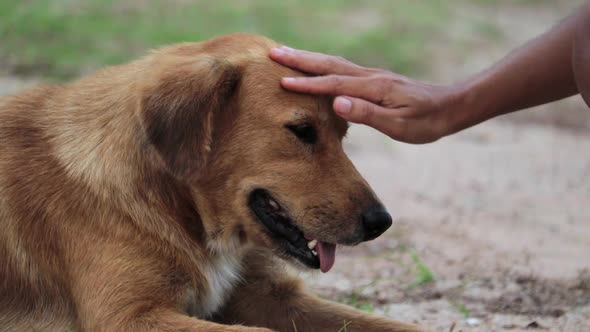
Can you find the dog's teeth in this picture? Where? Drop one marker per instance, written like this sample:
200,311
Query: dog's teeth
315,253
273,204
311,244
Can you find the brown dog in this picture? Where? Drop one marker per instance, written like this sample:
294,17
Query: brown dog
166,188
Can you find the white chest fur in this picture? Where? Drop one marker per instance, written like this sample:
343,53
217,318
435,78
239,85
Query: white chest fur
221,274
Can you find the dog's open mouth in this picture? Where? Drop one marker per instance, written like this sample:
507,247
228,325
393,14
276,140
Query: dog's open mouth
312,253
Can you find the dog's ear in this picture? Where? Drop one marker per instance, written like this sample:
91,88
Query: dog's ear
180,105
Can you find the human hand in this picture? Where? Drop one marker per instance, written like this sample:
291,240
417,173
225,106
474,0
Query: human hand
404,109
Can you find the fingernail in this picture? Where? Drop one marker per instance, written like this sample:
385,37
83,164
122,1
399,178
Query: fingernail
342,105
278,51
289,79
287,49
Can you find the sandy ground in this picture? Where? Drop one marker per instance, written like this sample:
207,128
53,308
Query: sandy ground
500,214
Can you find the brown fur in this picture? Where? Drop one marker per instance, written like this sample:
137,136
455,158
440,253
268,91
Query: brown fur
124,195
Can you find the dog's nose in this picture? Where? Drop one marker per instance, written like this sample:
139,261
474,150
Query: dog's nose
375,221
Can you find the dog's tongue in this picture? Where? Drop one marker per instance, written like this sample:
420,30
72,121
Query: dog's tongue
327,255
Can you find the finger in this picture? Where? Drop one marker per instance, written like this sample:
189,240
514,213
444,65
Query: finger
359,87
314,63
364,112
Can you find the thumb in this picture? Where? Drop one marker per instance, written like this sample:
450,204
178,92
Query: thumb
360,111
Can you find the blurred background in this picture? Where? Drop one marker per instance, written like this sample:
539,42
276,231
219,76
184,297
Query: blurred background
492,228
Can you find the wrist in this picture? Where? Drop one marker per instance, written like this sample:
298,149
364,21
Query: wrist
467,106
455,105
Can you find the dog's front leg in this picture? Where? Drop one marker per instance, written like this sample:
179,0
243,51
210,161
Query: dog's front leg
129,289
287,308
164,320
271,298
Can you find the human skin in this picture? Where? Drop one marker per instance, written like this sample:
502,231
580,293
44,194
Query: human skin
550,67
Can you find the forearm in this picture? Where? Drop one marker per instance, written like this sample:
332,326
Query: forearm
537,73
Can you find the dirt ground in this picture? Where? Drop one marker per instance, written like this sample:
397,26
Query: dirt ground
492,229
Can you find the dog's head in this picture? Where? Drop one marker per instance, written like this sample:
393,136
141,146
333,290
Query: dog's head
266,166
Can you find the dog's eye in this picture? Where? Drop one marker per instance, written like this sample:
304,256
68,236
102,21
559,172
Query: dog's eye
305,132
